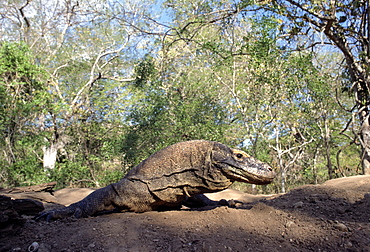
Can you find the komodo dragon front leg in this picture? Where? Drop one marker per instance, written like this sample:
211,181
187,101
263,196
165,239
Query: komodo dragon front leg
169,177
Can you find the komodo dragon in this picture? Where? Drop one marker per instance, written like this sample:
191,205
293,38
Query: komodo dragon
169,177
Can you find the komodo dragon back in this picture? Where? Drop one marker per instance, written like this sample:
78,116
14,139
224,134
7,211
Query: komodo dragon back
169,177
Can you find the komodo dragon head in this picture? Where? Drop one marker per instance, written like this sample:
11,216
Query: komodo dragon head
239,166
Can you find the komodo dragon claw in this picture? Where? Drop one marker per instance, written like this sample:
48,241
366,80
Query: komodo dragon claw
45,215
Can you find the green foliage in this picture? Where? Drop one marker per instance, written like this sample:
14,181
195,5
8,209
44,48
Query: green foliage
21,82
69,174
78,172
23,99
155,126
170,114
92,159
26,171
144,70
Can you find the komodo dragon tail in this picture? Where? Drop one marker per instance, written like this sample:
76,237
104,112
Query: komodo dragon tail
95,202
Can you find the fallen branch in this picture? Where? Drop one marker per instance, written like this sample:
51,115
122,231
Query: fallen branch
47,187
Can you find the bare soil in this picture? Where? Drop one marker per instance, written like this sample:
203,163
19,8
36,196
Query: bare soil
334,216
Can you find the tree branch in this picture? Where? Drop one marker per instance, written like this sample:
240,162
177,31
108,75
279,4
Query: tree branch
22,14
95,66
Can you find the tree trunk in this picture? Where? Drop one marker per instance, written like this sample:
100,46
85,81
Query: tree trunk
314,166
9,155
327,148
50,156
46,187
283,173
50,151
366,163
365,137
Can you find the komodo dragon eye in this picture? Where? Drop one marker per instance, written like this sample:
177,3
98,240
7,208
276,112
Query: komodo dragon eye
239,155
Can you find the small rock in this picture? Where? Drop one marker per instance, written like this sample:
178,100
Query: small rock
341,211
298,204
231,203
341,227
289,223
348,245
33,247
44,247
239,205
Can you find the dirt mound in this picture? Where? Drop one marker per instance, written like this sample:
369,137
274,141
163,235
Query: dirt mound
334,216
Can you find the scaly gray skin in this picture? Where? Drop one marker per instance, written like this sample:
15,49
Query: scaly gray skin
169,177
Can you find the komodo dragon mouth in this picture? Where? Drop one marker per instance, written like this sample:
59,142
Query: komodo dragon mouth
240,166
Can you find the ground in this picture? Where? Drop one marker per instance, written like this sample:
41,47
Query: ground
334,216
